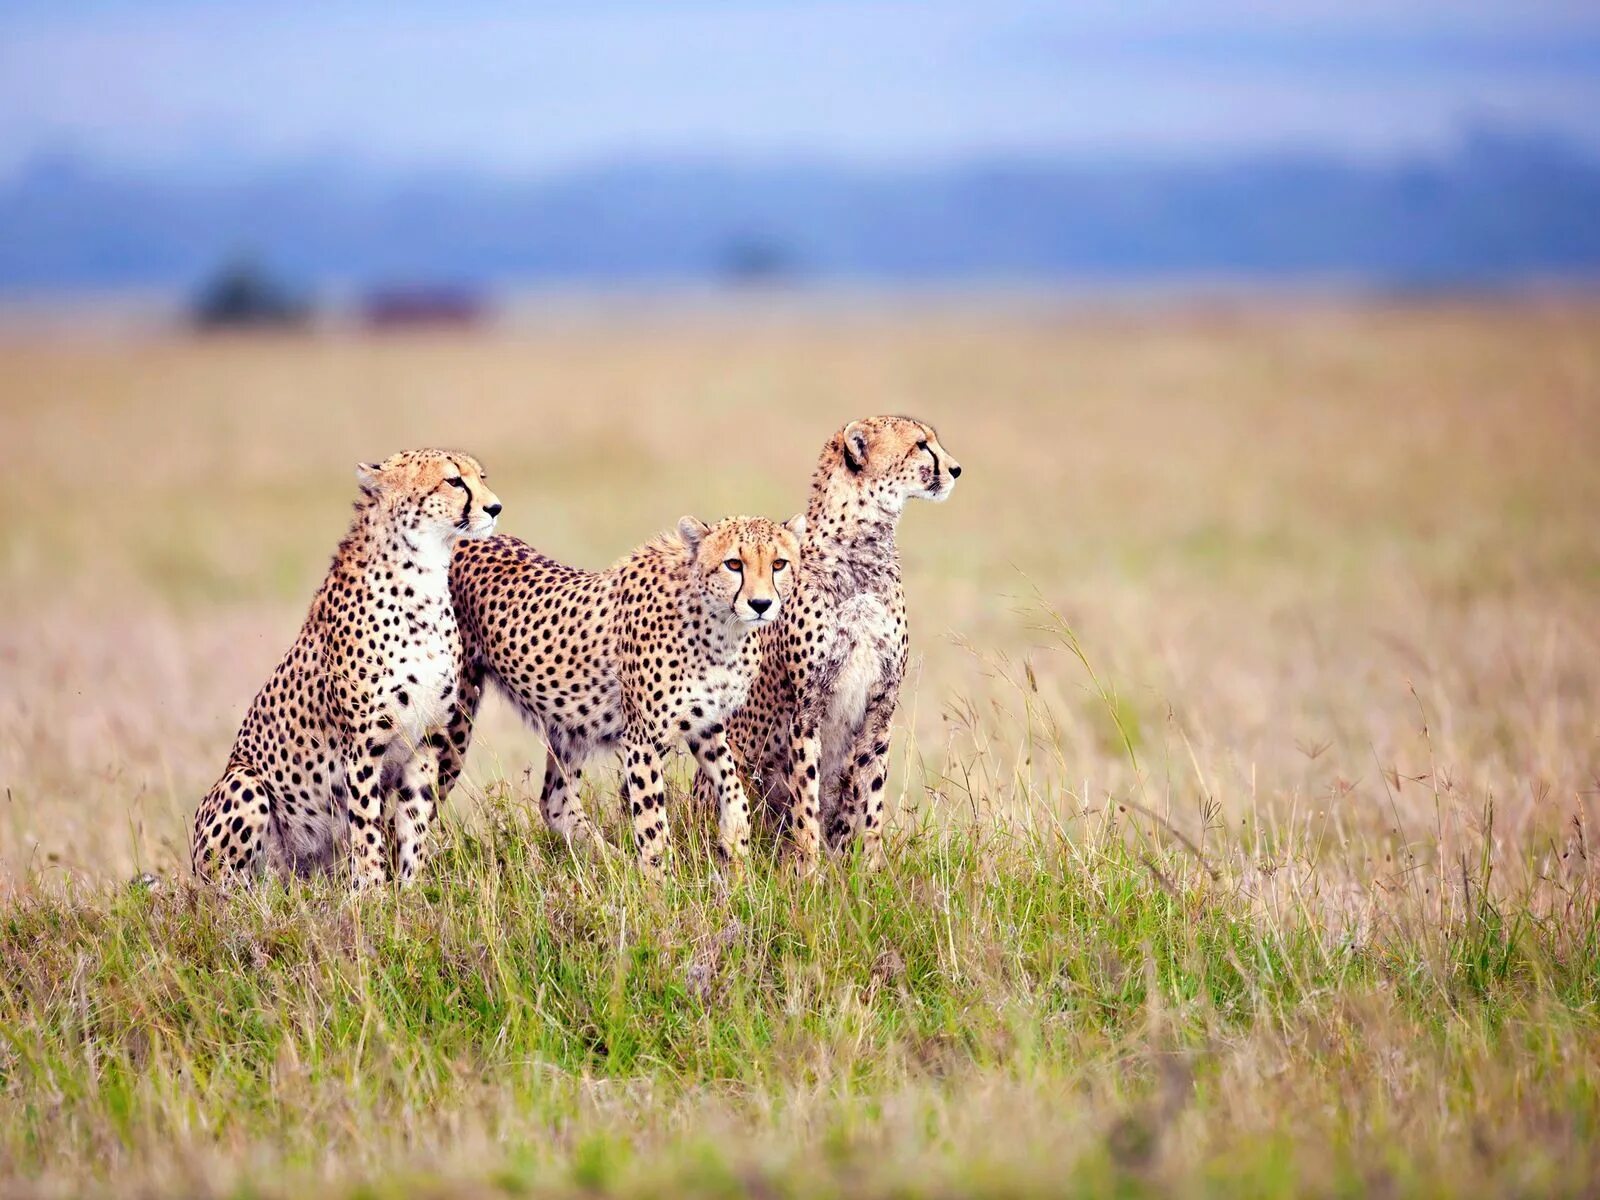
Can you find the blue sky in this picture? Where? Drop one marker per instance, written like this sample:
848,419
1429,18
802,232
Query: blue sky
187,86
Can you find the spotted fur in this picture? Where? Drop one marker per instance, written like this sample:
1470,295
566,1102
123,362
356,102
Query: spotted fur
344,740
654,651
814,735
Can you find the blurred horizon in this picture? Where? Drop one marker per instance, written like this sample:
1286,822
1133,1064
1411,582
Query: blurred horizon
144,145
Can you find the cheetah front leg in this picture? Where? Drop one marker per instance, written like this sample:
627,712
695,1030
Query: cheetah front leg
710,749
367,842
452,742
805,764
647,800
860,812
414,805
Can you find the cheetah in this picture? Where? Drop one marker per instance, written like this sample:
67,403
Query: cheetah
345,738
814,732
656,650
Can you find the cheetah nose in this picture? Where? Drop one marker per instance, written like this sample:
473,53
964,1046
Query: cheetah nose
955,470
494,509
759,606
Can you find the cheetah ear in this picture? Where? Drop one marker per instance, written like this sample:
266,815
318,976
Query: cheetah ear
796,525
369,477
855,445
691,530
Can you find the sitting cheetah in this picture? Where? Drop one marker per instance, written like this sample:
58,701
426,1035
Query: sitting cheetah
655,650
356,710
814,733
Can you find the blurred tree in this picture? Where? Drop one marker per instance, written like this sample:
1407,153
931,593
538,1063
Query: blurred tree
756,260
243,295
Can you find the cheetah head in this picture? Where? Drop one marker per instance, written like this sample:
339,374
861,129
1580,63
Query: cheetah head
432,492
744,565
899,458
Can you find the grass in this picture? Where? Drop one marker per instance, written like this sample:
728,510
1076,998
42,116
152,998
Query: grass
1245,777
1001,1011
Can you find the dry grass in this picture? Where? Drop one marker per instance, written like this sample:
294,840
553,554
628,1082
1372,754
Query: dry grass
1313,596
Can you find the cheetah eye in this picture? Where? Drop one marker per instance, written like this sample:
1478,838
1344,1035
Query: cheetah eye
733,564
922,445
457,481
779,564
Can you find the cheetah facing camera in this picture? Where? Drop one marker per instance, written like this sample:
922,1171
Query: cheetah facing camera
656,650
347,735
815,732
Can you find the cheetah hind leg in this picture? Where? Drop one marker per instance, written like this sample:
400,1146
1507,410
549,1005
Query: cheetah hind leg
561,807
703,799
230,837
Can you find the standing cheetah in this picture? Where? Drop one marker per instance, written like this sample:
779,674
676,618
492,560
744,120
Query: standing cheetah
653,651
355,712
815,730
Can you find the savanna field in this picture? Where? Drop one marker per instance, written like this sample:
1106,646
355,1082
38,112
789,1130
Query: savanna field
1246,788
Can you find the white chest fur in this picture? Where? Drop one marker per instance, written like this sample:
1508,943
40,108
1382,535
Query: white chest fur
422,680
418,678
717,691
727,687
864,641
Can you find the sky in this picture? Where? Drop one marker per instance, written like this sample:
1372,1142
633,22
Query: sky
182,86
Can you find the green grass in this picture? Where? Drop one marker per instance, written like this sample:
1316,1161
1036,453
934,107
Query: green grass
1074,1012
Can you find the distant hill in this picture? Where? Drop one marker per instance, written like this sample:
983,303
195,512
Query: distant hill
1498,209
